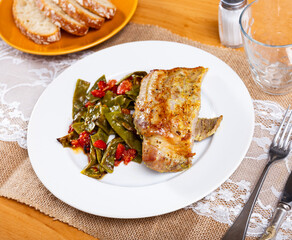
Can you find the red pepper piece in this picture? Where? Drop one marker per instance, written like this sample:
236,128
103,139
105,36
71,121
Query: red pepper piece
124,87
114,89
74,143
129,155
120,150
112,83
102,85
89,104
98,93
117,162
84,139
100,144
71,129
109,85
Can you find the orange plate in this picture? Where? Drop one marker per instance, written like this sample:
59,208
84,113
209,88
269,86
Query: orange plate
68,43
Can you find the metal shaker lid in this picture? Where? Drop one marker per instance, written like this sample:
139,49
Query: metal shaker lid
233,4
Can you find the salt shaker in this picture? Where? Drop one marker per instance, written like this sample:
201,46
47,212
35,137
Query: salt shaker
228,18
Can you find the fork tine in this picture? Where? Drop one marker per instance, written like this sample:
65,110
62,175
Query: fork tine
286,146
280,128
281,142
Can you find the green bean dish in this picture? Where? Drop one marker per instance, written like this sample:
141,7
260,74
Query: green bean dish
99,112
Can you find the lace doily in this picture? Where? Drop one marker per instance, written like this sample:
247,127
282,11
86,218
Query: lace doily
24,77
225,204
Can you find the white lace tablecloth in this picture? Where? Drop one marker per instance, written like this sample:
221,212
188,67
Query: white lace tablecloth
24,77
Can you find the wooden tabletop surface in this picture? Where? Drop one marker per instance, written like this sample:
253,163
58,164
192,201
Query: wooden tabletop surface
196,20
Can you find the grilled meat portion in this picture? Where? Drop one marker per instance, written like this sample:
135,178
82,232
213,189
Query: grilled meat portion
166,113
206,127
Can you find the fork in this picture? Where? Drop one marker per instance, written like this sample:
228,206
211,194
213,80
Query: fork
279,149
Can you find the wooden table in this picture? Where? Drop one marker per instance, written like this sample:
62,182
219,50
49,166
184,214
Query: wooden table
196,20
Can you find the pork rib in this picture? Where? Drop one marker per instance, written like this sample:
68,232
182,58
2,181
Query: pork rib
166,113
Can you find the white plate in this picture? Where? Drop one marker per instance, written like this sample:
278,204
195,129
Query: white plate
134,191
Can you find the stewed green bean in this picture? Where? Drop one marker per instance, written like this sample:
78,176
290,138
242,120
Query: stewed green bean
101,111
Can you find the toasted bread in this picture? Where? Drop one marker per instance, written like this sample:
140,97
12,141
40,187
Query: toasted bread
103,8
33,23
60,18
81,14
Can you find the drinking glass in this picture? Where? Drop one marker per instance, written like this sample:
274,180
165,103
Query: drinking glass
266,27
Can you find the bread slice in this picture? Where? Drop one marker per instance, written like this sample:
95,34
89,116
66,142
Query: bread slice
33,23
60,18
103,8
81,14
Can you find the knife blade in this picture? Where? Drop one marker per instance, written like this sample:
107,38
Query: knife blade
283,207
287,193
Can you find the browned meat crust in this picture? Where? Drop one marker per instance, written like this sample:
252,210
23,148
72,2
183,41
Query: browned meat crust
166,113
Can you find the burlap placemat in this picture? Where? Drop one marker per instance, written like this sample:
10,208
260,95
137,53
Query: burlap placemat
18,181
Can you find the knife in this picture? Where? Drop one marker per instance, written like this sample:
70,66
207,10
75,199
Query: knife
283,207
